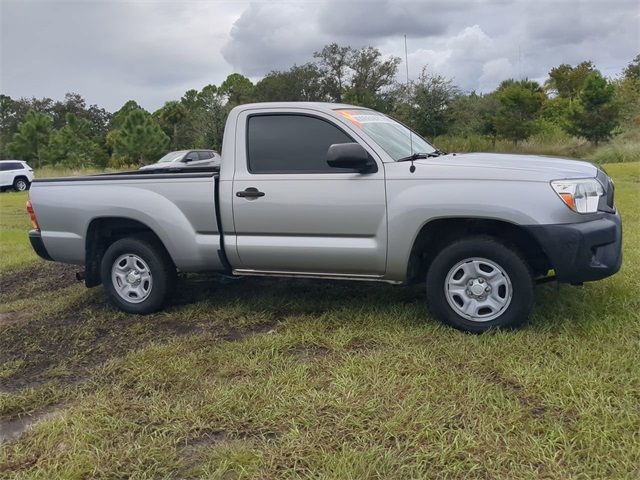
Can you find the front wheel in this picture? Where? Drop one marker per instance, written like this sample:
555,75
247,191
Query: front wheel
137,274
478,284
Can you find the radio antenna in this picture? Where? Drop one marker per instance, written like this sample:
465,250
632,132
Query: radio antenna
412,168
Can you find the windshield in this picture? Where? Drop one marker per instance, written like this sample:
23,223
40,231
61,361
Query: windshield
393,137
172,157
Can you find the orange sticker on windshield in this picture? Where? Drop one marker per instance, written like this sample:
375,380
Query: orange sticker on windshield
349,116
362,117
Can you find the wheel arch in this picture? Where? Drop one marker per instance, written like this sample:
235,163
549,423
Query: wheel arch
437,233
102,232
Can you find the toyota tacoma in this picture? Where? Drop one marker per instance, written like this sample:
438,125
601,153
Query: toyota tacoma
332,191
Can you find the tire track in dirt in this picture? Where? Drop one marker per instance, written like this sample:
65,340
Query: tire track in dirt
37,278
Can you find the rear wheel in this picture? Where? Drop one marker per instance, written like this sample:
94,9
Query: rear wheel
137,274
478,284
21,184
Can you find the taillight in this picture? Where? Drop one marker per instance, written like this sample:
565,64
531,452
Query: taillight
32,215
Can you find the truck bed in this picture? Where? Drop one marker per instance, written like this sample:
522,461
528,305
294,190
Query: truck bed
179,207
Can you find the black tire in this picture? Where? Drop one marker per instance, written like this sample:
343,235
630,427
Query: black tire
513,314
21,184
161,268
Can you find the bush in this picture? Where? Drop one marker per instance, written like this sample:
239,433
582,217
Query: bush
471,143
550,141
623,148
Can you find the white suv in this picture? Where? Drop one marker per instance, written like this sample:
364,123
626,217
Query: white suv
15,174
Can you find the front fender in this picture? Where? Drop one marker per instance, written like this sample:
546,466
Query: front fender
411,204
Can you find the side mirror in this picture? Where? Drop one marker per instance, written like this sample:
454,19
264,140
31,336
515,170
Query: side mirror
188,159
352,156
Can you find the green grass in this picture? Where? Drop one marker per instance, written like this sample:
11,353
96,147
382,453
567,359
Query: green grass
260,378
14,220
15,248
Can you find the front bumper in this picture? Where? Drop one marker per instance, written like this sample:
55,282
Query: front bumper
582,252
38,245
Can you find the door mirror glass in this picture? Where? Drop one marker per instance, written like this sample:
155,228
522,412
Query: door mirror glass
352,156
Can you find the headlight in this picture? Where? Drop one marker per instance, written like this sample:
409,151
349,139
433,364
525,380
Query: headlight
581,195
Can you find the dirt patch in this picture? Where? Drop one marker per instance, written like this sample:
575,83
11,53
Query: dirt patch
10,318
234,335
61,357
12,428
535,405
307,353
207,439
193,451
40,277
361,345
65,348
532,403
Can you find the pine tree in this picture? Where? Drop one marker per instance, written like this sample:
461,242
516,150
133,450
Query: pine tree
32,137
140,140
73,145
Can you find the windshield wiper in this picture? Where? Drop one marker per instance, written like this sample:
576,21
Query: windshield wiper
417,156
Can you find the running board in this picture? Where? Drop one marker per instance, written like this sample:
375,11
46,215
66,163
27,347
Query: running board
322,276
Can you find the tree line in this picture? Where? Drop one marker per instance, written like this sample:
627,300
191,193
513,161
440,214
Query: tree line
577,100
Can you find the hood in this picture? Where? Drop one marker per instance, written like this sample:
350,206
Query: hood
508,166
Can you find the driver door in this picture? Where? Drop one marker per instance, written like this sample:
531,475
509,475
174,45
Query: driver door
294,213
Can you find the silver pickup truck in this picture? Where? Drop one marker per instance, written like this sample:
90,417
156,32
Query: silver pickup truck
339,192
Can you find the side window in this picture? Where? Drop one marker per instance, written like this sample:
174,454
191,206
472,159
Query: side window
191,156
205,155
4,167
291,144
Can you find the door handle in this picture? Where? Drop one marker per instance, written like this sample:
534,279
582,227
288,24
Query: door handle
250,192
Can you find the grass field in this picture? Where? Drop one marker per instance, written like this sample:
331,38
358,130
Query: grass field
258,378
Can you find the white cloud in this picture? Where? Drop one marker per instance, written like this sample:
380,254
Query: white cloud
112,51
272,36
154,51
494,71
467,57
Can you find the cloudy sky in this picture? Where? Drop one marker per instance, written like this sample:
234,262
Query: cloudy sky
153,51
